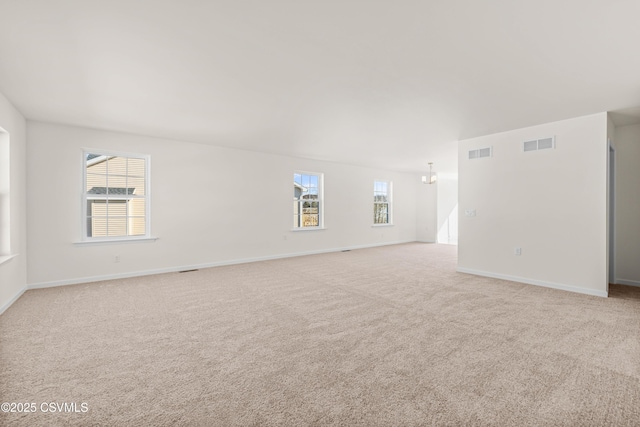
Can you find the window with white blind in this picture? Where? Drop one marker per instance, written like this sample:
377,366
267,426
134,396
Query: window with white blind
381,202
116,196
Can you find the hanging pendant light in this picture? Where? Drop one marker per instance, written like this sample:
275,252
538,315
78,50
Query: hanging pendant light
431,178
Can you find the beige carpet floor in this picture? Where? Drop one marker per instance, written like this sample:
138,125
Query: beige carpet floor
384,336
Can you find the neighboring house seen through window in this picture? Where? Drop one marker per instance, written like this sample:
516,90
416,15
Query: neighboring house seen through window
381,202
307,200
116,195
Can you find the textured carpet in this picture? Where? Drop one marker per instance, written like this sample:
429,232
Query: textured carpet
383,336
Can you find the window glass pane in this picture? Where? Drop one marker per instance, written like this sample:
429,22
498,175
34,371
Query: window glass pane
136,207
136,226
380,213
95,182
96,163
380,188
117,226
96,208
97,227
136,167
309,220
117,165
116,183
116,208
135,186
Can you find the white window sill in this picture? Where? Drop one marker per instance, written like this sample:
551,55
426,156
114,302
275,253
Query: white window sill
381,225
5,258
308,229
114,241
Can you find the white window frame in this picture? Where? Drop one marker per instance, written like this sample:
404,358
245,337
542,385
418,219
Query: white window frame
389,202
86,196
320,201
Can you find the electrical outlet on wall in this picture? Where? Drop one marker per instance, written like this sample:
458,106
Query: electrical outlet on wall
116,258
517,251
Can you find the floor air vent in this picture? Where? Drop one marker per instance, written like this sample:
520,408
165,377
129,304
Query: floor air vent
480,153
540,144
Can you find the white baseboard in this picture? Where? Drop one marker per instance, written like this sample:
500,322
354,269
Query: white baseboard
175,269
627,282
535,282
12,300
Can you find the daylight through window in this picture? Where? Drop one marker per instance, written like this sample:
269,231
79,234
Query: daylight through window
307,200
116,195
381,202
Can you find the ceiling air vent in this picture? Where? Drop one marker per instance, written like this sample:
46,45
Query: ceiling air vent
479,153
540,144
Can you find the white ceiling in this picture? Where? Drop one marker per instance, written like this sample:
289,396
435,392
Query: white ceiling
376,83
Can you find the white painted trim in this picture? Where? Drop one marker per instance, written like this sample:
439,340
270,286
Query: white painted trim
12,300
199,266
627,282
6,258
308,228
534,282
381,225
612,252
116,240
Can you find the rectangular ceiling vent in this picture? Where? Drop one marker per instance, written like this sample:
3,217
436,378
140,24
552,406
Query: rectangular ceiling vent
480,153
540,144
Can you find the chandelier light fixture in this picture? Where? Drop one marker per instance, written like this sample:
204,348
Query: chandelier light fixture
431,178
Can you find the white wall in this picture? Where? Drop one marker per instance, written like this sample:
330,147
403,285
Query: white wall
13,273
208,205
448,209
551,203
426,197
627,143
